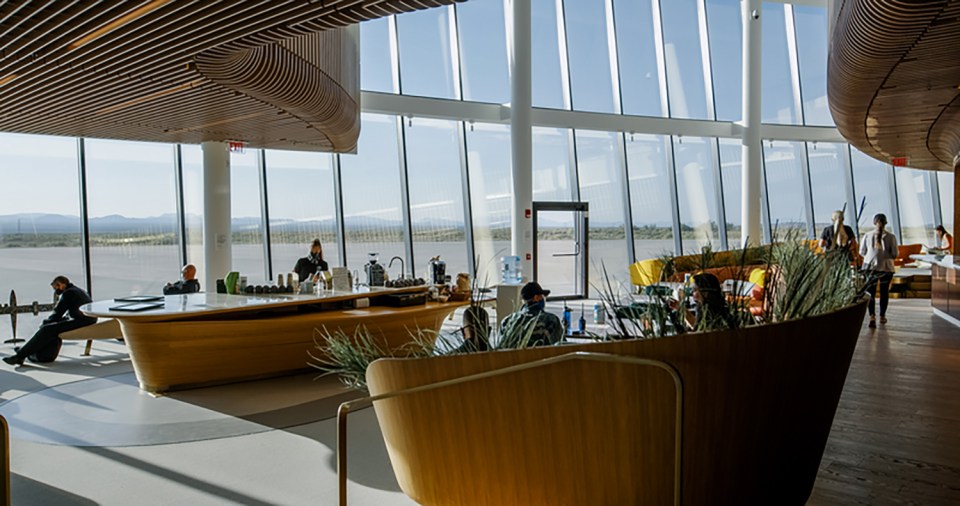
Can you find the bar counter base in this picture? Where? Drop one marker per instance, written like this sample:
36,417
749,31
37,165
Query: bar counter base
946,317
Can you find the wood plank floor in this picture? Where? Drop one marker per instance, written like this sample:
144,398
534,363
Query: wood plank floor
896,436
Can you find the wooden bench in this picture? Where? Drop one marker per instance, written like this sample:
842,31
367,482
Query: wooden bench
104,329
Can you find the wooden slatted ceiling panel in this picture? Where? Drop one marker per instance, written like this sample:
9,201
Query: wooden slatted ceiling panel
893,77
273,73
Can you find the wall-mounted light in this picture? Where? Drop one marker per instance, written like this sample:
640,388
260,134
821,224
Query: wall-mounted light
117,23
410,121
472,124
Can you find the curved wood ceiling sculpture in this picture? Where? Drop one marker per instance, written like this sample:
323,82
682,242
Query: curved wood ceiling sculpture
893,77
272,73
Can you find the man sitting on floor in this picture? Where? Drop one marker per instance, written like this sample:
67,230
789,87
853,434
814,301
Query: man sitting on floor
188,282
44,346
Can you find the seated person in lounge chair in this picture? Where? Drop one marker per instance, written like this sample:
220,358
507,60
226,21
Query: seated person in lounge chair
532,325
188,282
45,345
944,242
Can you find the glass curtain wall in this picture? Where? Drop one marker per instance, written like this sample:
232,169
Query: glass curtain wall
551,165
640,73
588,48
191,159
683,54
778,104
131,201
812,37
436,196
785,196
915,199
372,209
302,204
246,217
651,205
694,159
725,30
39,222
601,175
873,189
491,187
731,174
829,175
426,65
945,182
483,51
546,72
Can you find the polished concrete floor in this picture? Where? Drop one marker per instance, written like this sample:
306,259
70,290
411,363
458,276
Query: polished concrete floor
84,434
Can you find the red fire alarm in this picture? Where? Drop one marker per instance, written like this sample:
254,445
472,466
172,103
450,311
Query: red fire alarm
529,256
526,213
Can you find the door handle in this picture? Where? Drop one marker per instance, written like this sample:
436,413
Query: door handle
575,252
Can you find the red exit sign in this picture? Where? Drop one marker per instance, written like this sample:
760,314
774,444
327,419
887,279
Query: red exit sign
900,161
237,146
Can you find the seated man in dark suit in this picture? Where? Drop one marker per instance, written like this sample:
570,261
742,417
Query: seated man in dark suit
44,346
188,282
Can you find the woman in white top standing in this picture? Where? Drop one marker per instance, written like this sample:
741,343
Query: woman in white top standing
879,249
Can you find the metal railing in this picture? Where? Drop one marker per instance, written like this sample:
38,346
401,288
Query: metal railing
366,402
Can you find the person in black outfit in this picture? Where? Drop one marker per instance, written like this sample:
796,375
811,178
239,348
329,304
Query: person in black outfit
188,282
309,265
44,346
838,235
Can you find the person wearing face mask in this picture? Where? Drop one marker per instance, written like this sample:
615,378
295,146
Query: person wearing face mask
312,263
532,323
188,282
44,346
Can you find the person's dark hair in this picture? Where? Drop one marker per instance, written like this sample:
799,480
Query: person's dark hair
61,279
713,309
941,229
316,244
880,219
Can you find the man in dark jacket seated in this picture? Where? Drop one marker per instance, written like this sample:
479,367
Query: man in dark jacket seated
44,346
188,282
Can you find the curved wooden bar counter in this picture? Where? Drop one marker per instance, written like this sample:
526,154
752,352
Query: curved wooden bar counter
208,338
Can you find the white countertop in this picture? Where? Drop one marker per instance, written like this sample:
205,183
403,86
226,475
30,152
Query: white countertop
948,261
180,306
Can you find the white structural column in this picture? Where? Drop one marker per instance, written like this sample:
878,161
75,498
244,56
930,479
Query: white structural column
751,205
521,137
217,244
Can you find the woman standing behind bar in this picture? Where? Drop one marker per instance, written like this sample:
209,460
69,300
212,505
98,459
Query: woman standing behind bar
310,264
879,249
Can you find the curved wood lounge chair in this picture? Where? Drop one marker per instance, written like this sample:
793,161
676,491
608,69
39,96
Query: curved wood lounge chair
757,407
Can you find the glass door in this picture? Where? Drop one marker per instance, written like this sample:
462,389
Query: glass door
560,251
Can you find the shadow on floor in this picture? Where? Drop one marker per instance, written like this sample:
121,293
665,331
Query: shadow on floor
26,491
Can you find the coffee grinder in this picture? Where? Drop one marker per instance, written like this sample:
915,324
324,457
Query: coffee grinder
374,270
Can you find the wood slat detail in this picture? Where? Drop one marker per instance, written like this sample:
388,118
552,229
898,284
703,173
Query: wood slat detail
893,77
278,74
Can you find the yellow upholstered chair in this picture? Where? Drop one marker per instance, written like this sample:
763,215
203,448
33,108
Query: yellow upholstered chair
646,272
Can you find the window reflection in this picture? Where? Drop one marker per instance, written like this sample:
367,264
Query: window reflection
372,216
915,198
426,67
600,170
783,166
39,221
545,51
246,217
637,58
697,193
131,200
684,60
811,23
300,193
778,103
731,174
650,190
489,163
483,51
726,57
588,48
436,195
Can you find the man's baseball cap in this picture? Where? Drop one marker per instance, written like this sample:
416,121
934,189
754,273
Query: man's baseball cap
532,288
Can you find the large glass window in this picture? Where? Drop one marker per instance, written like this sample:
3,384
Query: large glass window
726,57
300,193
491,188
436,195
545,50
371,194
731,173
246,216
637,57
945,182
551,164
783,165
131,200
600,172
191,158
591,77
684,59
915,197
483,51
872,185
39,221
778,104
650,203
376,66
828,181
426,66
697,193
811,23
